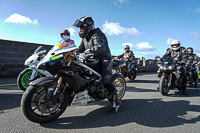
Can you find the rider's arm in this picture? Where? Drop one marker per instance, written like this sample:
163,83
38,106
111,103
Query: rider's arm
120,56
196,60
99,45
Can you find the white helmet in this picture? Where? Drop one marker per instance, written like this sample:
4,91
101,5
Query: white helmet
175,42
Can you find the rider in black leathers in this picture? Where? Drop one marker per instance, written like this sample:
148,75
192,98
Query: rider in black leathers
193,60
178,55
95,42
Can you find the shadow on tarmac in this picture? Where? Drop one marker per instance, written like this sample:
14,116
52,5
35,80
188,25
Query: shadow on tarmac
146,112
9,101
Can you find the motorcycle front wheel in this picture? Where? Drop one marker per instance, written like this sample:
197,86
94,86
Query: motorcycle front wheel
37,108
164,89
23,79
133,74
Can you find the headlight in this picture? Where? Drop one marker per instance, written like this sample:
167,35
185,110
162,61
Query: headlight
170,67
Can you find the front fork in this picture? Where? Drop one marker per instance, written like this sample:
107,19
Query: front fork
33,74
51,93
169,79
58,85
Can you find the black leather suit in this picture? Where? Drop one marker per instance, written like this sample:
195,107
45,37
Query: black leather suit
192,60
97,42
178,57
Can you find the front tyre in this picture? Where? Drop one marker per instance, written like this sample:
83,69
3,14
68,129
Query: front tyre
23,79
120,84
163,85
132,75
37,108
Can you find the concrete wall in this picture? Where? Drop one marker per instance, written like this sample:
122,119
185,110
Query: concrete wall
13,55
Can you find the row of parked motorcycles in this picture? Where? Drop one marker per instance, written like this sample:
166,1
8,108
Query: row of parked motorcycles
170,75
57,79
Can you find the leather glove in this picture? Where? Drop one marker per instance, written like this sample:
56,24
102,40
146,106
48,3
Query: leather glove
87,51
82,57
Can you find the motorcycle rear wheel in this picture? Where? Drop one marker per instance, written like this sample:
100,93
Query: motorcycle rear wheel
120,84
37,109
164,89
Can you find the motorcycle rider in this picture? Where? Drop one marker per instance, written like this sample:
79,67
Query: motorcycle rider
129,57
64,33
178,56
95,42
166,55
193,60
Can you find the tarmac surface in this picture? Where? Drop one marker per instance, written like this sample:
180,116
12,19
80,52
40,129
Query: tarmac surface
143,110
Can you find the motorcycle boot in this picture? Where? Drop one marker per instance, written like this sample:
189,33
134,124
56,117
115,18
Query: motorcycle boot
184,92
116,105
196,79
196,83
116,102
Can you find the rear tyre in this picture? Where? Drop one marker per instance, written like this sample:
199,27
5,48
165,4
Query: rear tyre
120,84
164,89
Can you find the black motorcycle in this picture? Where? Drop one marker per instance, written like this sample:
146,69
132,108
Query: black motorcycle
189,72
119,66
75,83
170,76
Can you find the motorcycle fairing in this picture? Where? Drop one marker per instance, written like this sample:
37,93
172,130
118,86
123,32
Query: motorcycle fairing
44,81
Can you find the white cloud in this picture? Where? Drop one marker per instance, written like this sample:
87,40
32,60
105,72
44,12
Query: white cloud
196,35
129,44
169,40
72,31
112,28
17,18
197,10
143,46
119,3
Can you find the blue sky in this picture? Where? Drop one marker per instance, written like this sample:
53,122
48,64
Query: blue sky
148,26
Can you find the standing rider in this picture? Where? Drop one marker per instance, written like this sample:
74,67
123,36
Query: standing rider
95,42
193,60
129,57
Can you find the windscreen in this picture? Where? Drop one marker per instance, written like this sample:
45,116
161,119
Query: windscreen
65,43
40,50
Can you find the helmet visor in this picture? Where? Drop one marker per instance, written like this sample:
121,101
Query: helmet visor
175,46
78,23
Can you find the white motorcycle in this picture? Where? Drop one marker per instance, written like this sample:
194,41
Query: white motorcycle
32,72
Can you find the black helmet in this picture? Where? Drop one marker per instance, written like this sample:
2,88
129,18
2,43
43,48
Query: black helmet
127,48
190,50
64,31
86,25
